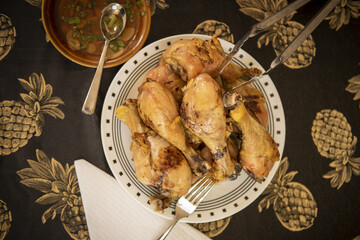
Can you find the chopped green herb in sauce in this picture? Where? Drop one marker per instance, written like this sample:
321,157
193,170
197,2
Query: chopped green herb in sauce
79,21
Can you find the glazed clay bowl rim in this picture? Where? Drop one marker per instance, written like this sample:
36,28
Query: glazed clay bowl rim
58,41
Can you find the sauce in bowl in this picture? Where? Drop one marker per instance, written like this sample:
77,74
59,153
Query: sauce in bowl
74,28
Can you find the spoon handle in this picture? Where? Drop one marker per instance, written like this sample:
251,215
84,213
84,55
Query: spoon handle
90,101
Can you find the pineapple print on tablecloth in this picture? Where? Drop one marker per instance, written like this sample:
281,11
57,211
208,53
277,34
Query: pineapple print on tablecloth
354,87
282,33
36,3
61,190
333,138
5,220
7,35
294,205
342,13
20,121
157,4
212,229
211,27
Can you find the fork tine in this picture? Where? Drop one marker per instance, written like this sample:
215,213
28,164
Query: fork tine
199,189
195,188
199,197
187,204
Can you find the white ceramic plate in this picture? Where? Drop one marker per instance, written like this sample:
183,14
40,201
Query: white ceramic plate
226,198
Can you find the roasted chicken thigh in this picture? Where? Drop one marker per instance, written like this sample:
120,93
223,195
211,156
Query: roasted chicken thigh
190,57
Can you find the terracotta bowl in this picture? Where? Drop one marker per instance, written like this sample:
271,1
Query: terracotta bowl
57,38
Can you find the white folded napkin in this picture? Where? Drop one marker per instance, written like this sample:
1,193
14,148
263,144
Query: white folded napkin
112,214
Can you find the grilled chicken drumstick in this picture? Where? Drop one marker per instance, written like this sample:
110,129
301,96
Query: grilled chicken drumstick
158,109
203,113
157,163
258,151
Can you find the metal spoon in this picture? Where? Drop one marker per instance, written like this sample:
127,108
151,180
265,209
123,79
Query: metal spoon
112,23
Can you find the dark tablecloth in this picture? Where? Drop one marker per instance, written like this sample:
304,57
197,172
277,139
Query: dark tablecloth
325,81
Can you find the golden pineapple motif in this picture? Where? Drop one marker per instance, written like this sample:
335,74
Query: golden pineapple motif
5,220
342,13
161,4
7,35
286,33
36,3
354,87
61,189
294,205
333,138
20,121
332,134
212,229
211,27
282,33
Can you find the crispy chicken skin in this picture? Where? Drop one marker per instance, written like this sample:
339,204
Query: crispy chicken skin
141,157
233,74
255,103
157,162
170,166
158,109
169,79
127,113
258,151
203,113
254,100
190,57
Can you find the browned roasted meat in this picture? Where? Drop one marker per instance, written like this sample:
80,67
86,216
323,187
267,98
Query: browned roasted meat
171,167
255,103
215,44
233,75
158,109
157,162
258,151
190,57
203,113
128,114
253,98
169,79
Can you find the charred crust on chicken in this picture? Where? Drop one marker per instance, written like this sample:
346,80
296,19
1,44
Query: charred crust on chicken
171,158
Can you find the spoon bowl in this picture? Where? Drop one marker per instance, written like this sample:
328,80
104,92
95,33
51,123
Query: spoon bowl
112,23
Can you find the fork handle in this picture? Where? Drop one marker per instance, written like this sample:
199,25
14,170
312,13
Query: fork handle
260,27
173,223
308,29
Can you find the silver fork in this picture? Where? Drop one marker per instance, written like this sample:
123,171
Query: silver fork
187,204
